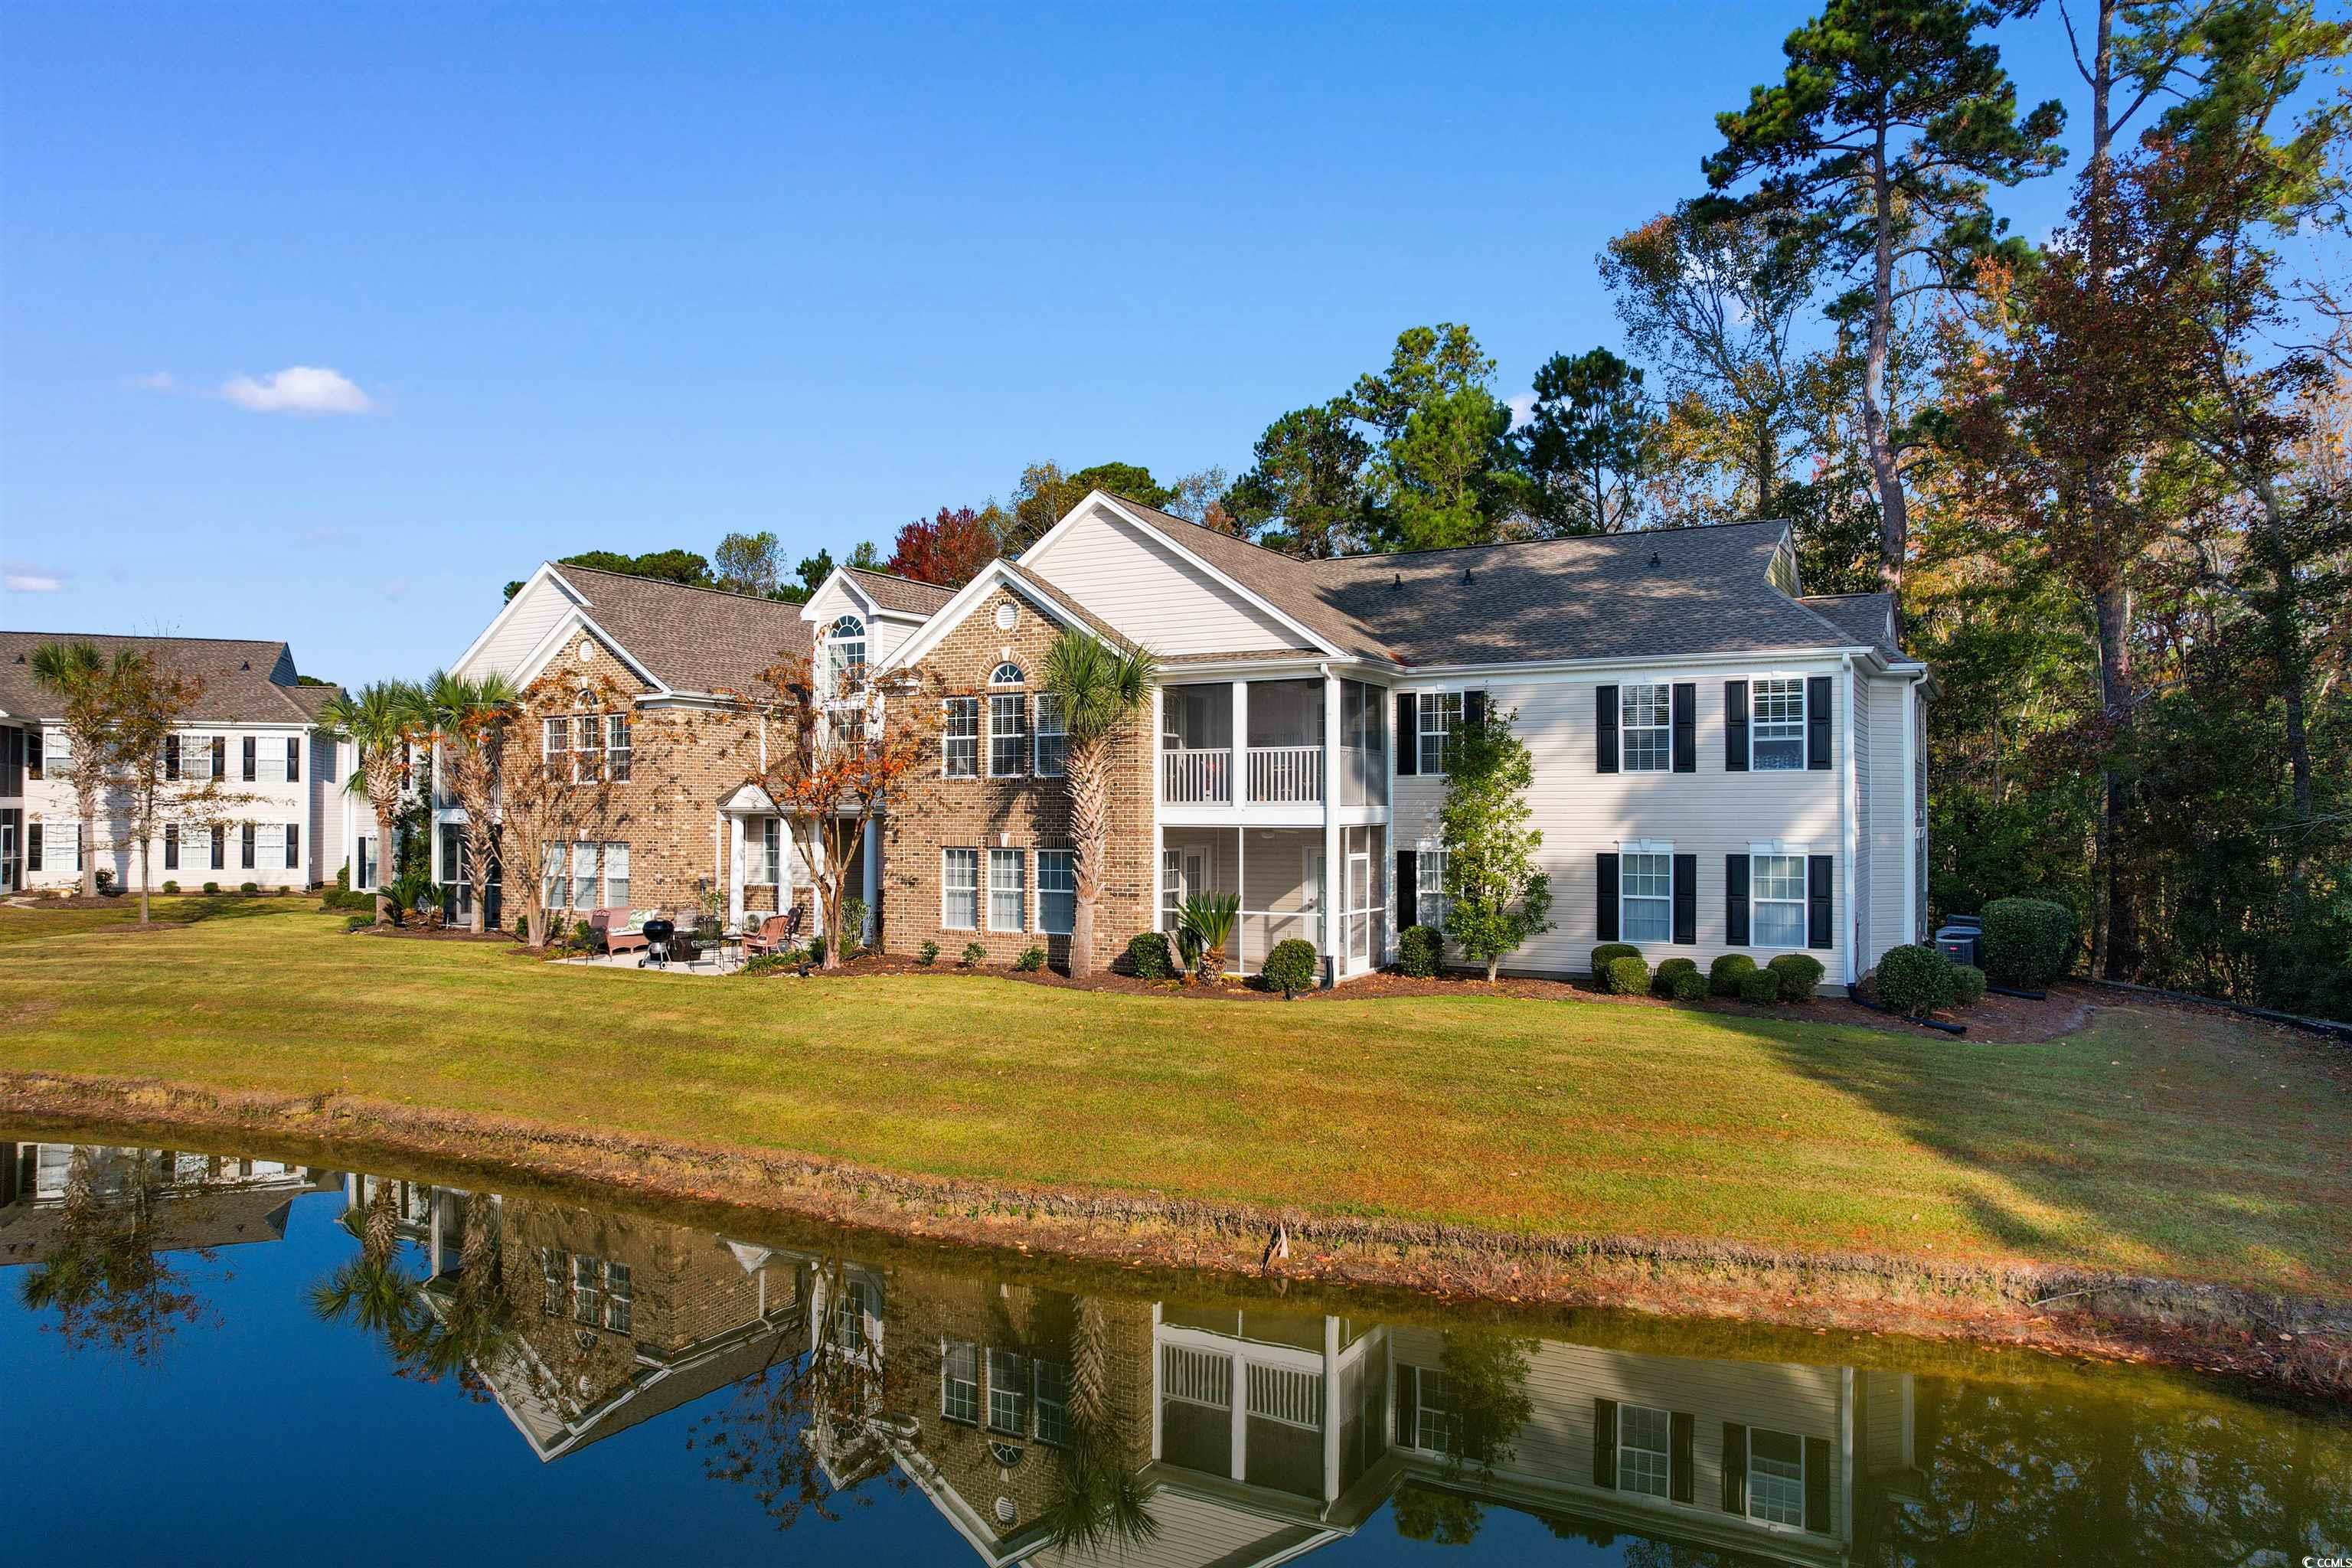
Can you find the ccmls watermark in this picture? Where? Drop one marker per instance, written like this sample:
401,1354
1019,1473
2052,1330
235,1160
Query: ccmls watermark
2327,1563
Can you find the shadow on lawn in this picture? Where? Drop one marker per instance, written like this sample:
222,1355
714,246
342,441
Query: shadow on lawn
32,923
2154,1130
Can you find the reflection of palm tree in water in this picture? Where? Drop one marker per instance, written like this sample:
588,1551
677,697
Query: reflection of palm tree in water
107,1278
371,1292
1097,1501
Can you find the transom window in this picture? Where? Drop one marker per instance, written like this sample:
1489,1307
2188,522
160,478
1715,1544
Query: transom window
959,739
1008,735
1776,897
1008,889
1776,729
1776,1477
1440,715
1643,1444
844,654
1644,719
1058,891
1006,675
1646,905
960,1384
1053,737
960,890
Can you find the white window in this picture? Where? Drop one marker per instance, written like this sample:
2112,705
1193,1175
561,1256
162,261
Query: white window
1008,1393
1437,1424
620,1299
961,738
844,656
553,885
585,1272
1646,903
1645,723
1776,1477
1008,739
1644,1442
1172,887
772,852
1052,739
960,1384
584,876
617,744
1776,728
1008,890
1006,675
1051,1380
554,740
587,745
616,876
1775,899
1058,891
1429,886
960,890
857,1302
1440,715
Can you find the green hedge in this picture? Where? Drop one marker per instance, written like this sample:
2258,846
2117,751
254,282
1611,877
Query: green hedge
1916,980
1420,950
1760,985
1607,953
1290,967
1967,985
1724,975
1671,970
2027,943
1800,973
1628,974
1688,985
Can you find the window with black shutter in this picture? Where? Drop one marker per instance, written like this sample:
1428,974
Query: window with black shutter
1735,726
1817,900
34,762
1735,1468
1678,1469
33,848
1604,908
245,847
249,757
220,838
1604,1443
220,760
1407,729
1408,886
293,847
1685,728
1817,723
171,756
1817,1485
1408,1405
1604,729
1474,710
1735,899
1686,900
294,759
171,846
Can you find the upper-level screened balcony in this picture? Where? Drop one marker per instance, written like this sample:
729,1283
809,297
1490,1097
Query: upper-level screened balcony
1288,755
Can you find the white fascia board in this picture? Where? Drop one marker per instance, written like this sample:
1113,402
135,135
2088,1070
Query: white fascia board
951,614
545,572
575,620
1819,660
1153,536
839,574
1277,668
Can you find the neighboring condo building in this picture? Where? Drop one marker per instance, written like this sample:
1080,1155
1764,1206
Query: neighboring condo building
1722,763
255,728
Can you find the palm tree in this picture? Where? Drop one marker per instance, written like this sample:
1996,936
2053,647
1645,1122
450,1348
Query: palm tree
1095,1501
80,676
380,721
467,719
1099,688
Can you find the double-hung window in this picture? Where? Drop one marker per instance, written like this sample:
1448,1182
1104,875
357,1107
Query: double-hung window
1646,906
1008,737
772,852
960,890
959,738
617,745
1435,908
1008,1393
555,740
1440,715
1051,1379
1008,891
1644,1449
1776,730
1436,1420
620,1299
1645,720
616,876
584,876
844,657
1052,738
1058,891
587,745
1776,1477
1776,900
960,1384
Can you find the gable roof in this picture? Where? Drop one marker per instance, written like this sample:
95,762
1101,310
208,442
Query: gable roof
902,596
1865,617
246,680
1276,578
691,639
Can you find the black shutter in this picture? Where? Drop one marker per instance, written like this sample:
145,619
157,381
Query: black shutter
1735,899
220,759
293,847
1604,720
1408,888
1735,726
1817,900
1408,742
171,756
33,848
249,756
1817,1484
1735,1468
1685,728
1817,723
1474,710
1686,900
1604,1443
1678,1456
1408,1405
245,847
171,846
293,761
1604,909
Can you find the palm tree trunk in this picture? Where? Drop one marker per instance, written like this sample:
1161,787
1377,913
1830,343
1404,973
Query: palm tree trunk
382,847
1089,793
87,804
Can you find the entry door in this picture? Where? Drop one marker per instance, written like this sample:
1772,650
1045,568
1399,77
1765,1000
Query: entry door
8,856
1358,910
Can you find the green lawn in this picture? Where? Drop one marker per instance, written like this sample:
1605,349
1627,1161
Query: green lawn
2154,1141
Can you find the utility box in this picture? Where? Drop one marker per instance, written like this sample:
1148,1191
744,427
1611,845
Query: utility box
1958,944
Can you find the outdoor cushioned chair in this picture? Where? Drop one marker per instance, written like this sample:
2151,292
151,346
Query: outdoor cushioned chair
619,930
775,933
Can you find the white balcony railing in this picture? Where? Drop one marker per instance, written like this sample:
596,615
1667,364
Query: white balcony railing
1196,776
1285,775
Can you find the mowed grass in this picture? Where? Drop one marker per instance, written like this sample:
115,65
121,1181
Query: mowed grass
2153,1142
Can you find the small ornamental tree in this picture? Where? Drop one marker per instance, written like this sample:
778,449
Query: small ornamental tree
81,680
1499,897
163,781
549,798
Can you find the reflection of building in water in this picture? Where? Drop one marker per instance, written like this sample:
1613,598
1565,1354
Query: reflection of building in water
245,1200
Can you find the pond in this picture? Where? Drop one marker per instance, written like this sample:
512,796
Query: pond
225,1357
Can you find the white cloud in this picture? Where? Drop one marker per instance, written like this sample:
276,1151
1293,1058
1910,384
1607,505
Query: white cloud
156,381
23,579
1523,408
298,389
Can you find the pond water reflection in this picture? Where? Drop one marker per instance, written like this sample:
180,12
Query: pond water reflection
197,1349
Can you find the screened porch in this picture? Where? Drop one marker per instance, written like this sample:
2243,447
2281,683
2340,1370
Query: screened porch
1282,878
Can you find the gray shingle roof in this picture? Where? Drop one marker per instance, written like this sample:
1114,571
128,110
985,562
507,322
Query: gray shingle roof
1280,580
1068,607
907,595
693,639
1865,617
247,680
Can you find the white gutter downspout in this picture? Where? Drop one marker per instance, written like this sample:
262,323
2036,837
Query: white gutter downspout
1853,943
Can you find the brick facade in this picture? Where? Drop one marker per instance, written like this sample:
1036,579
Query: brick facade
1022,814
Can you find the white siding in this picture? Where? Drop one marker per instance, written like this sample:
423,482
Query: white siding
1711,814
531,617
882,635
1864,890
1146,589
1886,827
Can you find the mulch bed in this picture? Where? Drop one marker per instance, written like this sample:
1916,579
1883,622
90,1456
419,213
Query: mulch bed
423,933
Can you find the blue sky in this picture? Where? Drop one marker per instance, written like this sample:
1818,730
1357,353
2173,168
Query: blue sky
596,278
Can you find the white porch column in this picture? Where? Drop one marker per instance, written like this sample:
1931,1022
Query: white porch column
873,879
1330,1408
1334,872
1159,787
735,870
1239,793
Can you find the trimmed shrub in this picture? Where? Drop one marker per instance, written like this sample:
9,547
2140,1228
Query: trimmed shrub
1419,951
358,922
1290,967
1916,980
583,934
1800,973
171,887
1031,961
523,927
1607,952
1626,976
212,886
248,889
1967,985
1688,985
816,949
1148,955
1723,975
927,954
2027,943
974,955
1760,987
1662,980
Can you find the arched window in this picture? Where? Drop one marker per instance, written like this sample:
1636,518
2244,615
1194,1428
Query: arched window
845,653
1006,675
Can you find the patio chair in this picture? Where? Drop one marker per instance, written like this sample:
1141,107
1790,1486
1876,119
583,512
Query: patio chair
618,931
776,933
